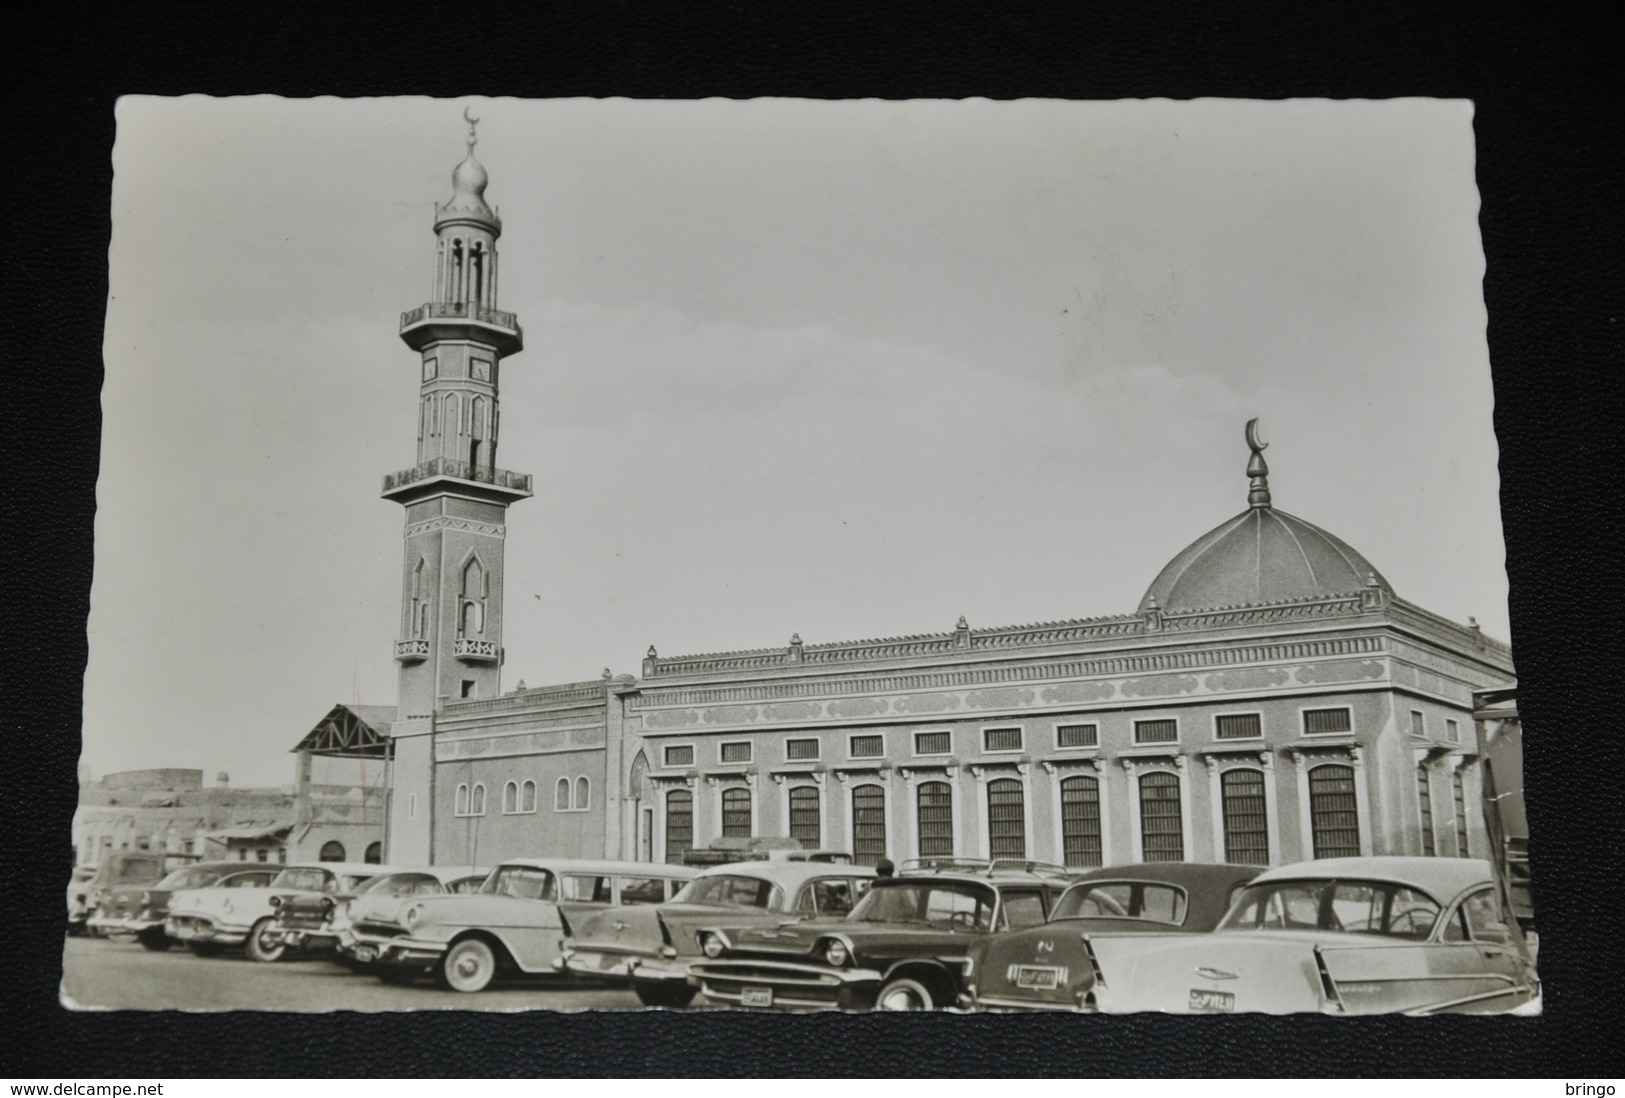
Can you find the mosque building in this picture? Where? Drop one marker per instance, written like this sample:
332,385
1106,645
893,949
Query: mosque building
1270,699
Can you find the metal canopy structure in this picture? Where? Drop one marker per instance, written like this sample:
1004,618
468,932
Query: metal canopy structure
352,732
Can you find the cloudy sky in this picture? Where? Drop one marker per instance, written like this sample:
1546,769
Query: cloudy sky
842,369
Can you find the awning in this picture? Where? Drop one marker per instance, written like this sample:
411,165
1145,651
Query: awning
352,732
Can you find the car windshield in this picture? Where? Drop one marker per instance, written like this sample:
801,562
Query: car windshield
728,890
304,879
195,876
951,905
246,880
1343,907
521,881
137,871
1149,900
402,884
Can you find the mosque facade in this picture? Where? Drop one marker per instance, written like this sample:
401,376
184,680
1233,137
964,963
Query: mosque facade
1271,698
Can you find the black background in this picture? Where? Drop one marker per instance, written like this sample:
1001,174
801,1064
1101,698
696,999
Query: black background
1547,96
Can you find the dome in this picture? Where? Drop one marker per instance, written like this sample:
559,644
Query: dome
1260,555
468,182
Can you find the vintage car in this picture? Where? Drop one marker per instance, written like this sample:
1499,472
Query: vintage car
325,922
1342,936
515,924
128,868
140,910
79,898
649,949
1047,967
902,947
210,919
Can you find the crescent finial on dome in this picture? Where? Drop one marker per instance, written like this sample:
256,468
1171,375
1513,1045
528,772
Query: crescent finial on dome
1258,494
472,120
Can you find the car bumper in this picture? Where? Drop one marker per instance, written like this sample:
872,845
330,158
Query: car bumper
1001,1004
295,938
639,967
198,928
404,952
797,986
110,925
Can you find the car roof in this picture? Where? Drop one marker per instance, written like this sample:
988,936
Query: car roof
1443,878
1176,873
587,865
353,869
788,874
992,878
441,873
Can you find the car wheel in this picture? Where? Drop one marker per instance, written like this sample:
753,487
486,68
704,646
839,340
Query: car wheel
470,965
258,949
205,949
669,995
905,994
154,939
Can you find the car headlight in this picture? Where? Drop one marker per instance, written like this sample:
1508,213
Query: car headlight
274,901
836,954
412,917
711,945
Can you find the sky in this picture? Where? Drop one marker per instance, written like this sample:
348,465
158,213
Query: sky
842,369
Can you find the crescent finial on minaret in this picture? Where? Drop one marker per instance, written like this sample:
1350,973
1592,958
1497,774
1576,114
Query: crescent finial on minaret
472,121
1258,493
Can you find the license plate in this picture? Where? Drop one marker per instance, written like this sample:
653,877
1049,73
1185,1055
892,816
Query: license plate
756,996
1037,977
365,954
1212,1002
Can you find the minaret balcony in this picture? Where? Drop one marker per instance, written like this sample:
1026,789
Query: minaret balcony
499,485
436,321
411,651
475,651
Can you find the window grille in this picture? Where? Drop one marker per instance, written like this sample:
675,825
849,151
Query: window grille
1080,820
868,824
1424,806
1162,831
1156,731
736,813
738,752
932,743
804,822
868,747
1246,825
1001,739
680,755
1006,819
1077,735
1334,815
1240,726
1320,722
679,825
936,812
1461,813
800,750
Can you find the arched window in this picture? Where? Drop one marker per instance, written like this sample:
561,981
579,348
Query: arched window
868,824
476,800
1080,821
804,821
561,795
1424,808
1334,817
1162,831
527,797
332,851
510,798
375,853
936,818
459,805
1006,819
474,589
583,799
1246,824
476,443
736,813
679,825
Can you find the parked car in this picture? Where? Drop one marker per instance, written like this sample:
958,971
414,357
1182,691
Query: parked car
140,910
903,947
1047,967
210,919
312,922
349,928
516,923
649,949
129,868
1340,936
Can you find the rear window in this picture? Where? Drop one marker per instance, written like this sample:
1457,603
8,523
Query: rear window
402,884
642,890
1343,907
1023,909
727,890
1149,900
584,889
246,880
191,877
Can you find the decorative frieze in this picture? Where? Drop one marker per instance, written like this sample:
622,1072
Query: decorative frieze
443,522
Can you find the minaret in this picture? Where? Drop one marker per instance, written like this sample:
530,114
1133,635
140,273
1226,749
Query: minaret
456,498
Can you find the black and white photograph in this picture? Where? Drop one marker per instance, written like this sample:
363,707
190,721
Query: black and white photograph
783,555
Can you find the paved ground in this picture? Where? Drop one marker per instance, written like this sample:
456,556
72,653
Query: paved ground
99,973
